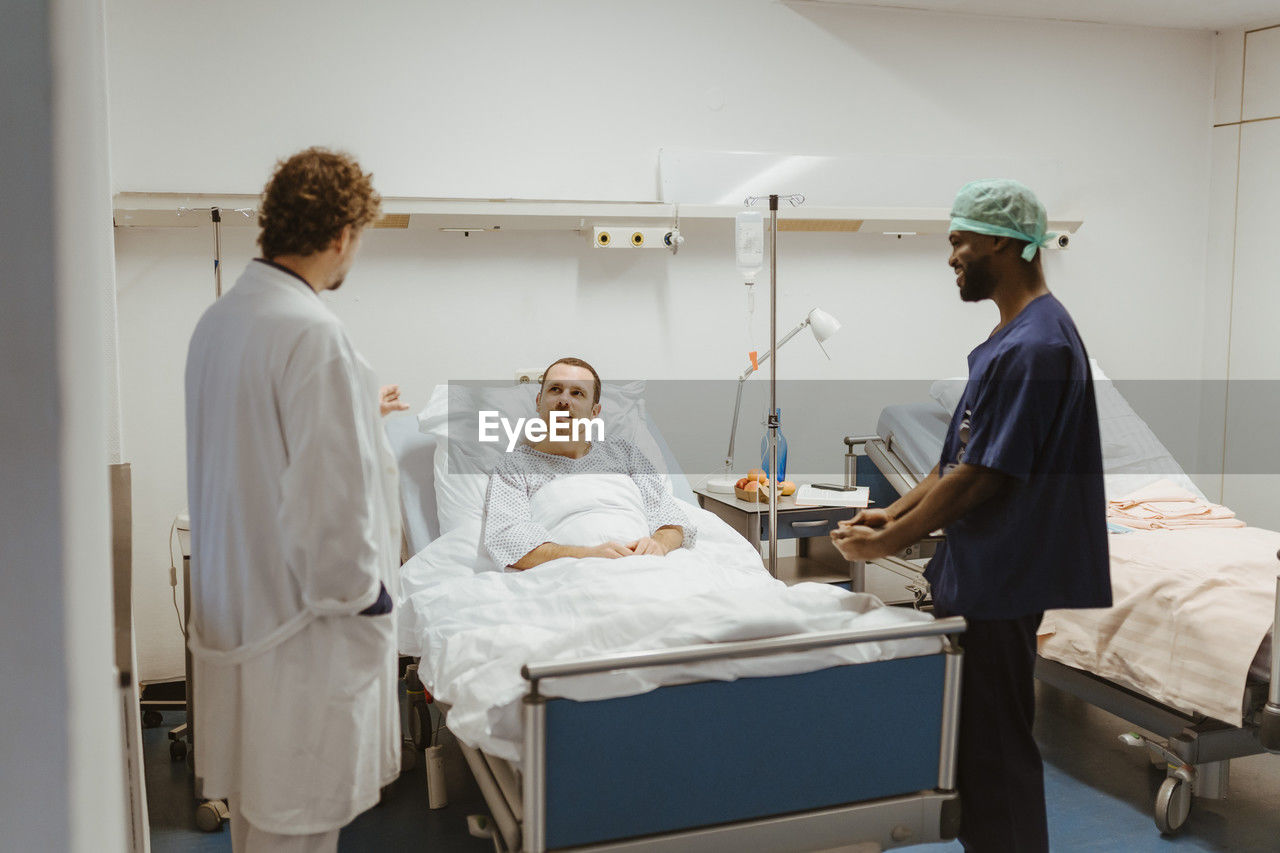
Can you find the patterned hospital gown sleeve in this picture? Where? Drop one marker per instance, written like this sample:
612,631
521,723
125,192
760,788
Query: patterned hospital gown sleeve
509,529
660,506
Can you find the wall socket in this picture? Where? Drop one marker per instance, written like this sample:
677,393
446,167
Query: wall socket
528,374
634,237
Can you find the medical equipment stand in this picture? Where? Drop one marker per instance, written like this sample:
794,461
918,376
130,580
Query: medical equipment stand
774,425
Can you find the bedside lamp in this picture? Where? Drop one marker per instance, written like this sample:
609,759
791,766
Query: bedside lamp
823,326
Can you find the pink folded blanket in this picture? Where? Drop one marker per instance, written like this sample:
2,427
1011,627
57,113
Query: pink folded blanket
1163,505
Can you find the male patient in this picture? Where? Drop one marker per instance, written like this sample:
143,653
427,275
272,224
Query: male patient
512,536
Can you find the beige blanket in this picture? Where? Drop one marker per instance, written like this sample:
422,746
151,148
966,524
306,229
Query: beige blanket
1164,505
1190,610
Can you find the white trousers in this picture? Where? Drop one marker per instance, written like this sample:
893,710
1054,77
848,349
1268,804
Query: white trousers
247,838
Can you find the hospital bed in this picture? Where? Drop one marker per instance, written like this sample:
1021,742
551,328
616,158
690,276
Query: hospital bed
858,756
1196,749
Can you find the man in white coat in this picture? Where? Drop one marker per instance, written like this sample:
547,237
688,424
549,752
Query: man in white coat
295,530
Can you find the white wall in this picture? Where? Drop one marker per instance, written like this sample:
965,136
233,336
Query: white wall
1241,341
61,782
505,100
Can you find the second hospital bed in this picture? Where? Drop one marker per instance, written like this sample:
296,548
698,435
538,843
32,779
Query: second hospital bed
1196,746
859,754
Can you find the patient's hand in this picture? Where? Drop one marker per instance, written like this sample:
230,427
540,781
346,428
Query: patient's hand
649,546
609,550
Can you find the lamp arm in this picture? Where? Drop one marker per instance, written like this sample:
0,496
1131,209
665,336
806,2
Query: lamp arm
733,430
762,359
737,405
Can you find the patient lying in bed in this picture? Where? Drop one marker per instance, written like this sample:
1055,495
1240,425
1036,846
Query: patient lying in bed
632,511
474,625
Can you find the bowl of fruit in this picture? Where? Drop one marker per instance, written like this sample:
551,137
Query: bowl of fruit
755,487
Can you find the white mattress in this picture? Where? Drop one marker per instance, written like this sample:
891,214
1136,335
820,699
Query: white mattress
915,432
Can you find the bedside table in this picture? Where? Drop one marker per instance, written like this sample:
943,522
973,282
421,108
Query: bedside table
816,557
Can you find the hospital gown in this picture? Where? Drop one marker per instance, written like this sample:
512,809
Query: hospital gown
509,529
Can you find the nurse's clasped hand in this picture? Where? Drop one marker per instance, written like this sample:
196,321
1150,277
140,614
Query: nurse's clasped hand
935,502
859,538
869,518
856,539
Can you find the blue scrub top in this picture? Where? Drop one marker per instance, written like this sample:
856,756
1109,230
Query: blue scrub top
1028,411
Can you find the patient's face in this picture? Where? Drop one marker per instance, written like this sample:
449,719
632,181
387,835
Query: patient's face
569,388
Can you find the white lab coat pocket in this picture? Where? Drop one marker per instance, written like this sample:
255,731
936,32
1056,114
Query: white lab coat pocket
360,649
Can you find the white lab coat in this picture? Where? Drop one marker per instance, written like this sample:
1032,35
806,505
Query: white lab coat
294,524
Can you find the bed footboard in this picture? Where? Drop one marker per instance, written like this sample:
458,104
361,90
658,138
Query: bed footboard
860,752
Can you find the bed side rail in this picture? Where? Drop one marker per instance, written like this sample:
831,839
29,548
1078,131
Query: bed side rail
534,672
851,458
1269,731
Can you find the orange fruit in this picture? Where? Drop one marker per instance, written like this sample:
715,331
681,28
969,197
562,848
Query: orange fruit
758,475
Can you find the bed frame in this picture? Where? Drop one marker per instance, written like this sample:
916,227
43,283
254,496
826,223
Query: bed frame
856,757
1197,750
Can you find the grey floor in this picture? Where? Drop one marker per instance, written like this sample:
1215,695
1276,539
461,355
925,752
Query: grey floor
402,821
1099,793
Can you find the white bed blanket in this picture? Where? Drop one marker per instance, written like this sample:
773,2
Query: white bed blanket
1190,610
474,630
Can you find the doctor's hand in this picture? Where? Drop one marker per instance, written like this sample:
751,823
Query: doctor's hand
609,550
859,542
389,400
648,546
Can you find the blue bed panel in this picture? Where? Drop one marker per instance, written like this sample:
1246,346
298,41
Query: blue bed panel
717,752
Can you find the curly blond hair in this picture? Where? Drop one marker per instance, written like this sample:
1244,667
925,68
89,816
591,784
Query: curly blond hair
310,198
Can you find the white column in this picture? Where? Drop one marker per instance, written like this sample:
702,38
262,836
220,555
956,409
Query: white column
60,746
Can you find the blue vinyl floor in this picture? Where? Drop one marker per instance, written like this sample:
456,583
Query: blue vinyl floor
1100,795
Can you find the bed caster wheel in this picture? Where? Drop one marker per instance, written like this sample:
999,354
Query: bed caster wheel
210,814
1173,803
152,719
177,749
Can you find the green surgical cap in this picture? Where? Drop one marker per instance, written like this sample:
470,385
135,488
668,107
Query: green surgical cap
1001,208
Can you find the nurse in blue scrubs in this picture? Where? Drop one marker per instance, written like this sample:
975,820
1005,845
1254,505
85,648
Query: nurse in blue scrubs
1019,490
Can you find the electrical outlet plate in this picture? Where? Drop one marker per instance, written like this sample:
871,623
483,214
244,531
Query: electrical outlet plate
633,237
528,374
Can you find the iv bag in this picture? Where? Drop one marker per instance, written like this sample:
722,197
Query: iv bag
749,243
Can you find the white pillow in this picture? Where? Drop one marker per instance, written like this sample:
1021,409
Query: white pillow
463,463
1132,456
947,392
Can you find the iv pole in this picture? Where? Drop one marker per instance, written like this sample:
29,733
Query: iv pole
793,200
216,215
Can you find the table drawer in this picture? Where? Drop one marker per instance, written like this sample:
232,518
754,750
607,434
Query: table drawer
802,524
